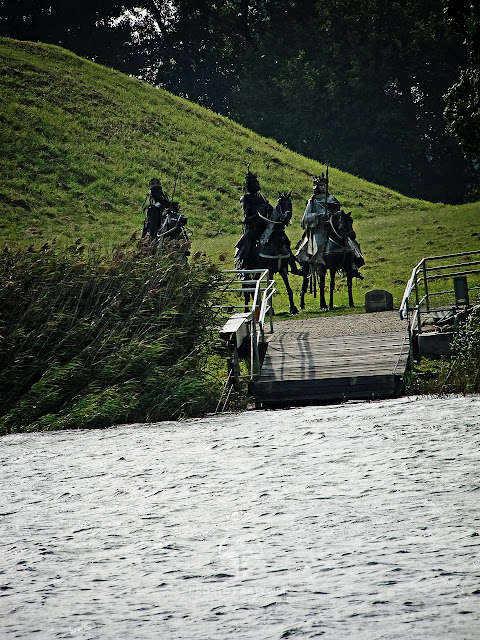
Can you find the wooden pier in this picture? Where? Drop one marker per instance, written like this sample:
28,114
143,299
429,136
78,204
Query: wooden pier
302,365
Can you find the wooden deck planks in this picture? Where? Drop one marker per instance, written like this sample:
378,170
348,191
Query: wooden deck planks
302,368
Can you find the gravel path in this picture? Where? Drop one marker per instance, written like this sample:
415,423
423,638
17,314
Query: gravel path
348,325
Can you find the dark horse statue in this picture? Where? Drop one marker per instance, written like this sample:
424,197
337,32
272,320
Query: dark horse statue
173,225
341,253
272,251
164,223
163,220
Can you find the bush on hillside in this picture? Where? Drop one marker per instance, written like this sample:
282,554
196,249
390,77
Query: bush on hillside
88,341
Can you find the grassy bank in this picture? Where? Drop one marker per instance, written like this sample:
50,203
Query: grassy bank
93,339
81,142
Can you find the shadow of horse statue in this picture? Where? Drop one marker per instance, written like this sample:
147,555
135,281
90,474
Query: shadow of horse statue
340,254
272,251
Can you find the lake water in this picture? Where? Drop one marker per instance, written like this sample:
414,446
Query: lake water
359,521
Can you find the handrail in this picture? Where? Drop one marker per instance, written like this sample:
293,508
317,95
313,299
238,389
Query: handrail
414,280
408,289
422,275
262,290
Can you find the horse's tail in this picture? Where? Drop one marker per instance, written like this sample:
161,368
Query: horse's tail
312,282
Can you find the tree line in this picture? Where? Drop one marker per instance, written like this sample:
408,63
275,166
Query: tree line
388,90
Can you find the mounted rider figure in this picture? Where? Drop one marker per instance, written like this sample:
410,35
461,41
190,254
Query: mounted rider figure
257,213
163,219
316,224
155,204
311,246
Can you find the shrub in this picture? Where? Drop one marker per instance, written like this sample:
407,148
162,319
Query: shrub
458,374
463,375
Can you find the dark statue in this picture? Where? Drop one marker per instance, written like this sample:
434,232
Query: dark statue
264,244
163,219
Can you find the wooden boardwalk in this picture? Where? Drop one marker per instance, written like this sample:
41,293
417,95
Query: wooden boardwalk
308,368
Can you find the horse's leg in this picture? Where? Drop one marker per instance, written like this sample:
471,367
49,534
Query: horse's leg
284,273
303,291
332,287
323,302
305,281
349,286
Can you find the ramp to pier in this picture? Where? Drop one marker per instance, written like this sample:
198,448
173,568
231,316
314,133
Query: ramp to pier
332,359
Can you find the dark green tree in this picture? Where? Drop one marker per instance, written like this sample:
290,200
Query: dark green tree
462,100
87,27
360,86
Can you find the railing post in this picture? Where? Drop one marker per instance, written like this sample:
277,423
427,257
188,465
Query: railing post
416,302
425,284
410,336
254,355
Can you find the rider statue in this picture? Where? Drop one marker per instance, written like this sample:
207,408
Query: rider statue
155,204
315,221
311,246
164,220
256,214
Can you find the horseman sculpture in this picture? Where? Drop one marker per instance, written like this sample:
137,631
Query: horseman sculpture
328,243
163,220
155,204
264,244
257,221
311,247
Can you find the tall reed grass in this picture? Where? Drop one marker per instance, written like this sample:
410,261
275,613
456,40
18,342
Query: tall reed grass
90,340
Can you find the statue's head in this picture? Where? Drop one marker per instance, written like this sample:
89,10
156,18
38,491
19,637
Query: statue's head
156,192
319,185
252,184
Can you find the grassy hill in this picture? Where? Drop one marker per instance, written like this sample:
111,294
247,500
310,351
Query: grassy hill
81,141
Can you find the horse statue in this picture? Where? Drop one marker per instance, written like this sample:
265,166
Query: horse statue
272,250
163,221
340,253
173,225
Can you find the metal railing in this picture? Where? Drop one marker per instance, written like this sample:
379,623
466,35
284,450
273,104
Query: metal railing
254,283
427,283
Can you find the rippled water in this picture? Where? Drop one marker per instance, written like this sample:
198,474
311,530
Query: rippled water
352,521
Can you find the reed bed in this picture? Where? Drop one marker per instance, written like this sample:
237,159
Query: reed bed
90,340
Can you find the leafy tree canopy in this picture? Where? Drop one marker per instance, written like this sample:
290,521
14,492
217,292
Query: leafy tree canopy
462,100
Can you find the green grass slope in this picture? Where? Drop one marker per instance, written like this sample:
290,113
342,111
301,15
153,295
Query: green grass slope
80,142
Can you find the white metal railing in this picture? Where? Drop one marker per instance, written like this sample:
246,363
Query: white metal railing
255,284
420,290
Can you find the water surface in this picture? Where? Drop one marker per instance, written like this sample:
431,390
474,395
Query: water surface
352,521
